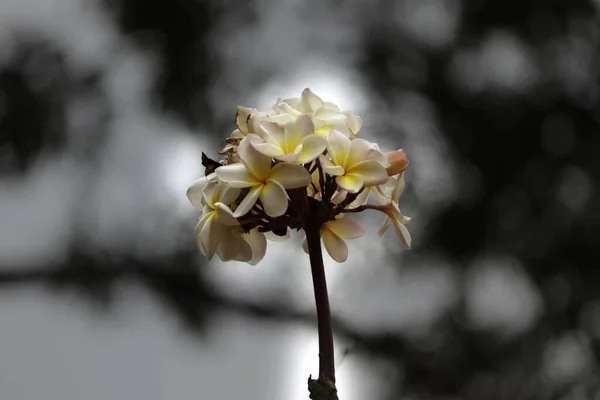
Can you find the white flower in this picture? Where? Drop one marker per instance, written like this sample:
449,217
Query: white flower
218,231
333,234
293,142
326,115
265,182
354,163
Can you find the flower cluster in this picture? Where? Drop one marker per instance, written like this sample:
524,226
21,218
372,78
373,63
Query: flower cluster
298,163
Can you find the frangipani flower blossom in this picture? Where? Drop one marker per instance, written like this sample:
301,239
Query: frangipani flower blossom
267,183
333,234
298,165
293,166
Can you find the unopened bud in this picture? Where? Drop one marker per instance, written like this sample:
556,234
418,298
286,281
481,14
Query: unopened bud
398,160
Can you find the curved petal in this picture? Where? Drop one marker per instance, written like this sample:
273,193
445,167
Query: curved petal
354,122
361,199
198,229
233,247
398,188
330,168
335,246
194,192
272,132
371,172
210,235
242,117
380,157
226,194
237,176
380,195
338,145
258,164
328,114
258,244
359,151
290,157
386,224
248,202
287,108
290,176
309,101
331,106
351,183
274,199
312,147
293,102
225,215
403,234
268,149
345,228
296,131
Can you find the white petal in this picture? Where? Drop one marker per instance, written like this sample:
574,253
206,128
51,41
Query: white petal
194,192
328,114
403,234
310,101
225,215
380,195
361,199
209,193
296,131
226,194
258,244
386,224
248,202
233,247
337,147
290,176
371,172
351,183
398,188
242,117
312,147
335,246
210,235
345,228
268,149
293,102
331,106
329,168
272,133
258,164
354,122
284,107
359,151
274,199
237,176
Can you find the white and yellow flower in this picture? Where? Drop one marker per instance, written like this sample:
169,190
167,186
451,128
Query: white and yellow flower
354,163
326,115
333,234
218,231
266,182
294,141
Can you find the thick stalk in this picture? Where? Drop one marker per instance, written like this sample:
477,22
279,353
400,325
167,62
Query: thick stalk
324,387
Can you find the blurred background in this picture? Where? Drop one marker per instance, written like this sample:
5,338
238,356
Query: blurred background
106,106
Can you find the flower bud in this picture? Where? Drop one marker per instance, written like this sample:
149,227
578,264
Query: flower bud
399,161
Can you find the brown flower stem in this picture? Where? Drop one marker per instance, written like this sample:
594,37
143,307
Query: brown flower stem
322,388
